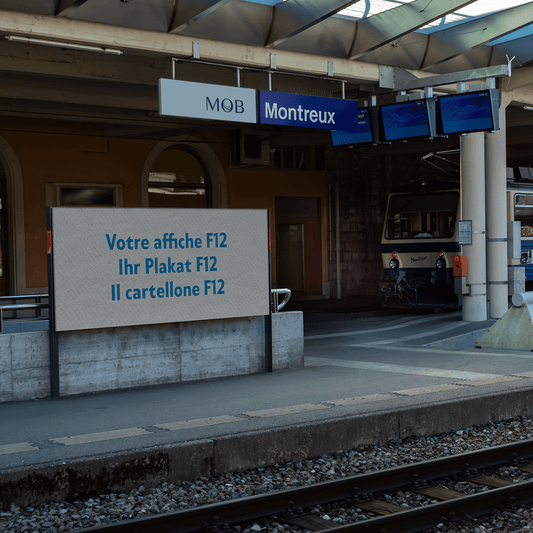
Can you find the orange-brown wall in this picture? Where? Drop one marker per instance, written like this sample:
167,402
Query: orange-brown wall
65,152
258,188
52,152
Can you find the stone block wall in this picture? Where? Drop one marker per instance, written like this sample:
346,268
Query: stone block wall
364,183
118,358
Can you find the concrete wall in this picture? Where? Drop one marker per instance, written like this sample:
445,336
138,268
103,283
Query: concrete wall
119,358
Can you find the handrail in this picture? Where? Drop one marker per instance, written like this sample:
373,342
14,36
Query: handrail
276,293
37,297
37,306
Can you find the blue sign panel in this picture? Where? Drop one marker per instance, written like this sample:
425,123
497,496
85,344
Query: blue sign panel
467,112
286,109
405,120
362,136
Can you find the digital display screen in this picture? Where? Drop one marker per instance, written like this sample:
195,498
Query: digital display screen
466,112
405,120
363,135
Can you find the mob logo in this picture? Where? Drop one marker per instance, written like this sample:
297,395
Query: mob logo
227,105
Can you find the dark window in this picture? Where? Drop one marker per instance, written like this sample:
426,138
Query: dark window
320,157
297,158
178,179
85,196
523,212
422,217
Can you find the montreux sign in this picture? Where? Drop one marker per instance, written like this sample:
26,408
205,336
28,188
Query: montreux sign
236,104
286,109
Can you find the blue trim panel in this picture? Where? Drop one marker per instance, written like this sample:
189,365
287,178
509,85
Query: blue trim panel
416,247
528,245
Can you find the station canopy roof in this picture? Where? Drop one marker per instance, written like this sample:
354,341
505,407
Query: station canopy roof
427,37
435,35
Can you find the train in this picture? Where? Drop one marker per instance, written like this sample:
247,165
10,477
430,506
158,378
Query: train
420,239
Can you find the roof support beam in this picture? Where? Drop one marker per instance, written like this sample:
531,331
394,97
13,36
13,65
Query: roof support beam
191,11
401,80
378,30
134,41
447,44
294,16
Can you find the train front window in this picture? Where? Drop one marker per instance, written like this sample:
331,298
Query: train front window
523,212
426,216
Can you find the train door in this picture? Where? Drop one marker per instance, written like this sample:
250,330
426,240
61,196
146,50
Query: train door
299,255
4,281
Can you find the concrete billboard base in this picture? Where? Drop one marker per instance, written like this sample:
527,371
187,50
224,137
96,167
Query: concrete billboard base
120,358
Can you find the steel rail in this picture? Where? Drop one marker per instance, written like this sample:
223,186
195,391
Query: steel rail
254,507
421,518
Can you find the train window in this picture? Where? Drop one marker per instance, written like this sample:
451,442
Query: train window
422,217
523,212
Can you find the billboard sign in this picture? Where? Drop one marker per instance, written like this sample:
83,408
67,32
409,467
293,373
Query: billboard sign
127,267
285,109
203,100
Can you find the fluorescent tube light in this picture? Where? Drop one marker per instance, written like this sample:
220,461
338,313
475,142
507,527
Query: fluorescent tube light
59,44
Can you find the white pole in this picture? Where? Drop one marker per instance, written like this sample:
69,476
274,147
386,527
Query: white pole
496,183
473,191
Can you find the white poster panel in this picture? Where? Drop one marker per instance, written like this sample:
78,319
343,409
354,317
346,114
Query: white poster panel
132,266
204,100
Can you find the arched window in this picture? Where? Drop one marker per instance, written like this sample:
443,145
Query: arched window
178,179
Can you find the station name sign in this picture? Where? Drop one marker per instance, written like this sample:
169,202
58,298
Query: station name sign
202,100
128,267
285,109
235,104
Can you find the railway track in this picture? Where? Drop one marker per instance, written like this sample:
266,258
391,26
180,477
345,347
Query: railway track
367,492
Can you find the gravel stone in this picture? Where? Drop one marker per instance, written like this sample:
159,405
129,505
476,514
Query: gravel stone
59,517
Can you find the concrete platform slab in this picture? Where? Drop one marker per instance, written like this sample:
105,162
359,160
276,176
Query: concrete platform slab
365,379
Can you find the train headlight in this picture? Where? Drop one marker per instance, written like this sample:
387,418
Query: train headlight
441,262
394,264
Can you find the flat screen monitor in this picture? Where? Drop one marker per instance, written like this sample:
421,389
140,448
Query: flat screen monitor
363,135
405,120
468,112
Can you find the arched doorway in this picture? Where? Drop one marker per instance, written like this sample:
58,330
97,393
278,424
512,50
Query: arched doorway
205,156
4,261
178,179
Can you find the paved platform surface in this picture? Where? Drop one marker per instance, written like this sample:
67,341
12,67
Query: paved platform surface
359,361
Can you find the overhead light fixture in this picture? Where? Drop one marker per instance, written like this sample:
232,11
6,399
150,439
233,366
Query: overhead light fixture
58,44
528,108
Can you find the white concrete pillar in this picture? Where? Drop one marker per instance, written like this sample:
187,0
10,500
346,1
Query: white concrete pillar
496,190
473,200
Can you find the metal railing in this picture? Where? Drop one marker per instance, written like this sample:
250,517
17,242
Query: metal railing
11,305
275,294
